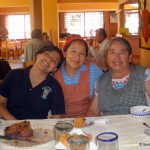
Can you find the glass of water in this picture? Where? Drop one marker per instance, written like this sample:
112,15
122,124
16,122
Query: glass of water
107,141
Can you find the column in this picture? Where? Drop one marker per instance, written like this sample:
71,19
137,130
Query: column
36,14
50,19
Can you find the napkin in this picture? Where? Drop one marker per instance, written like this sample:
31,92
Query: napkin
101,121
59,145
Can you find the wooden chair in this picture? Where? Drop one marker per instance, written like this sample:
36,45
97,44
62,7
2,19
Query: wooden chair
19,50
4,50
27,63
11,47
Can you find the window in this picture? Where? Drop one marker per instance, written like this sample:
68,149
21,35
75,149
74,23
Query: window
84,23
18,26
132,21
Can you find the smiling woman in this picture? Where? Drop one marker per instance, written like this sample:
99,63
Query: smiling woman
77,77
33,92
125,85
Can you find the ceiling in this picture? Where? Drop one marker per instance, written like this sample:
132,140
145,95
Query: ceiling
85,1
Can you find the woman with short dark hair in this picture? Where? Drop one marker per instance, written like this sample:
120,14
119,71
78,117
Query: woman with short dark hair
32,92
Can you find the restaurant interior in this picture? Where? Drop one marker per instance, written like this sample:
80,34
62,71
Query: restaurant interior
58,18
117,17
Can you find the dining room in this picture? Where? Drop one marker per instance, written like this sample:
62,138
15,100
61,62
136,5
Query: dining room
59,19
110,15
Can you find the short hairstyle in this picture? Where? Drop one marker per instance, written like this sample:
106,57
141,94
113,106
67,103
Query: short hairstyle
102,32
36,33
122,41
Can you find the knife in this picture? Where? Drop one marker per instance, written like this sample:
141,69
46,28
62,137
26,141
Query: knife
14,138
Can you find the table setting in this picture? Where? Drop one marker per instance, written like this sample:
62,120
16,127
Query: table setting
132,132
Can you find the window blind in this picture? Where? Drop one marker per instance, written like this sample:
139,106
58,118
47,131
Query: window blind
83,23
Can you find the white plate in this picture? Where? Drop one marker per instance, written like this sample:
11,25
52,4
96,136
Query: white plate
40,136
43,137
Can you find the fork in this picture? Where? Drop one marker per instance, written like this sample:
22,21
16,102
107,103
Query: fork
145,124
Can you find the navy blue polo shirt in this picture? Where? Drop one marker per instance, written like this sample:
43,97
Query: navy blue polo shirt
25,102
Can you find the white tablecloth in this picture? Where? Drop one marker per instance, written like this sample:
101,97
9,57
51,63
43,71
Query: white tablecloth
130,129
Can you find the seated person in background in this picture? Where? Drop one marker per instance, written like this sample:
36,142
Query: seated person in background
99,55
35,44
31,92
124,86
64,33
46,38
77,77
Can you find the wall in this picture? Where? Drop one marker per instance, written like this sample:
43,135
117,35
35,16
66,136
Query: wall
2,26
101,6
134,41
145,57
111,28
14,10
50,19
14,3
83,1
2,21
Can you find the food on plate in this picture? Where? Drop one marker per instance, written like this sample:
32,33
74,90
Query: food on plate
79,122
21,130
89,136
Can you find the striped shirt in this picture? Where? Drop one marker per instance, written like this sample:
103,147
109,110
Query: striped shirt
95,72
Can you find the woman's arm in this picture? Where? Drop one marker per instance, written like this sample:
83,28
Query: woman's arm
57,116
4,113
93,109
147,87
147,81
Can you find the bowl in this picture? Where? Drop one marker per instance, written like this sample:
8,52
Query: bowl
140,111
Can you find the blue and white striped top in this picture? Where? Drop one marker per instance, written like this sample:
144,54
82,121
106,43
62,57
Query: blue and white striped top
95,72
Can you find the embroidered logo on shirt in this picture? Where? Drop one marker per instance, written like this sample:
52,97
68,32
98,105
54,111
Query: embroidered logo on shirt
46,91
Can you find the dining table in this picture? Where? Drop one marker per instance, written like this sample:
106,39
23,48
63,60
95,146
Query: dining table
132,134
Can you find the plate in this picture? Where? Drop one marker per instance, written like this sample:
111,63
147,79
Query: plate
40,137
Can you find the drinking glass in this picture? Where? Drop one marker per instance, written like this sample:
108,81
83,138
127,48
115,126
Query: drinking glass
78,142
107,141
60,128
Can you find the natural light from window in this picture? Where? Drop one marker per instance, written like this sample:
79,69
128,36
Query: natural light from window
83,23
18,26
132,22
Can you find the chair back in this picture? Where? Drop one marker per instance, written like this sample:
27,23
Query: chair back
28,63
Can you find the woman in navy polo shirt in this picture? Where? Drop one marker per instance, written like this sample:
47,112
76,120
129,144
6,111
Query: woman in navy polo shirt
31,92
